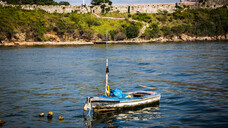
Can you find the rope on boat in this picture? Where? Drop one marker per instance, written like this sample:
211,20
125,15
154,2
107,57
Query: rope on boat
146,87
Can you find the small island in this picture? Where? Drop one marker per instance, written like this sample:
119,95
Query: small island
36,22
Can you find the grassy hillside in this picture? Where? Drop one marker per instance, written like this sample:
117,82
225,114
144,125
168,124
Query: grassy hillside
17,24
24,25
192,22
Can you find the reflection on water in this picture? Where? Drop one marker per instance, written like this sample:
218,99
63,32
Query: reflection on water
116,118
192,78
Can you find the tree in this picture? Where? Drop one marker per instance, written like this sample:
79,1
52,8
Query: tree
132,31
99,2
154,30
64,3
166,30
120,36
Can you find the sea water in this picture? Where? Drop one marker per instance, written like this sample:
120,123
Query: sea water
192,78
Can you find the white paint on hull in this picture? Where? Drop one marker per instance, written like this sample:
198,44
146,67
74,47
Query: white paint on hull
125,104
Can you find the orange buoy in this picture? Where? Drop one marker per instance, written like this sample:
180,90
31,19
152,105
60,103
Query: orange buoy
61,118
2,122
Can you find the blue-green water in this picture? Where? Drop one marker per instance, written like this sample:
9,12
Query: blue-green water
192,78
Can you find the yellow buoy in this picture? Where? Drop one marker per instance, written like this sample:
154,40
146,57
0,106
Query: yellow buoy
41,114
61,118
50,115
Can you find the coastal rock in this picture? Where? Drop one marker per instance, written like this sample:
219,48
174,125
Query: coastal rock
175,38
19,37
185,37
164,39
51,37
221,37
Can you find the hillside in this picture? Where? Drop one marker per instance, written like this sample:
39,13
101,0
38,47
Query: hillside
18,25
23,25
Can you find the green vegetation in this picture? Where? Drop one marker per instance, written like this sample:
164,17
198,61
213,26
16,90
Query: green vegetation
99,2
26,25
17,24
64,3
142,17
130,30
37,2
192,22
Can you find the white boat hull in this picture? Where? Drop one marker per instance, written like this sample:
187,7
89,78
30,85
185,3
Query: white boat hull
106,105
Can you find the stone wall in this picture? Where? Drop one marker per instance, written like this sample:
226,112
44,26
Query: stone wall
146,8
215,3
143,8
53,9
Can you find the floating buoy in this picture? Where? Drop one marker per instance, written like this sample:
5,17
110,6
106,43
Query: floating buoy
41,114
61,118
2,122
50,115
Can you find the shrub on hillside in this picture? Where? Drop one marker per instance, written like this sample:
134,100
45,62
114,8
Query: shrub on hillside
153,31
177,30
142,17
87,34
114,32
120,36
132,31
92,22
166,30
101,36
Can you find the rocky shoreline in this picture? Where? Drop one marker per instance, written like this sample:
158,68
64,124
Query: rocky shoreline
182,38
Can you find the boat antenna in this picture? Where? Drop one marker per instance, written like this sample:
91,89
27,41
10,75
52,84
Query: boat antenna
107,70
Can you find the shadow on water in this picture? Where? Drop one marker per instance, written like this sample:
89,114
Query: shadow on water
118,117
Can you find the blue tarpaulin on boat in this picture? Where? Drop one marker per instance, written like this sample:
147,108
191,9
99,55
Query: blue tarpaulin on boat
117,93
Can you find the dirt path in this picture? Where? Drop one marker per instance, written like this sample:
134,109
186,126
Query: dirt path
142,31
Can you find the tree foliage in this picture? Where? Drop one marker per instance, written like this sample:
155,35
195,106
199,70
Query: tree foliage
64,3
192,22
142,17
99,2
35,25
132,31
153,30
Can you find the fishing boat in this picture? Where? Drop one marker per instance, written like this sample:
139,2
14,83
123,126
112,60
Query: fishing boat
114,99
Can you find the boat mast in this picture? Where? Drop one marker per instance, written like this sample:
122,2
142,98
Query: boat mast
106,82
107,70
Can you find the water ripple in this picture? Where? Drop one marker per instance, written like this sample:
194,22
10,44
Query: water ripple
192,78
